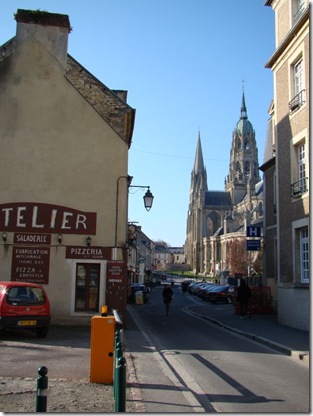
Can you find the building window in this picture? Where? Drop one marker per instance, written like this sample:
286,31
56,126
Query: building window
87,287
298,92
300,185
247,169
304,254
301,161
298,9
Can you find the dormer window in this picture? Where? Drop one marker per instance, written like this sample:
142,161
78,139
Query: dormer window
298,9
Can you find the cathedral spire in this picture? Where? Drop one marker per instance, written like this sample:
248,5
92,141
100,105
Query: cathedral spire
199,165
243,111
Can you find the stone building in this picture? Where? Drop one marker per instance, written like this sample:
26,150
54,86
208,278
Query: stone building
215,218
286,165
64,180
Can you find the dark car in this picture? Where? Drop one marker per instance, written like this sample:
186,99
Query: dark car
204,290
138,287
24,306
221,294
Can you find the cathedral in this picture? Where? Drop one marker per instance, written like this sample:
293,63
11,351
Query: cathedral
216,218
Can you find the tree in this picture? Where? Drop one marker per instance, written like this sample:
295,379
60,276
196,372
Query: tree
237,256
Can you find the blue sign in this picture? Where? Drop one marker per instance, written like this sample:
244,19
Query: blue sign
253,245
253,231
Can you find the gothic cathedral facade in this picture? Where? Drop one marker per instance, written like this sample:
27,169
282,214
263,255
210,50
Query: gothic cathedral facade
215,218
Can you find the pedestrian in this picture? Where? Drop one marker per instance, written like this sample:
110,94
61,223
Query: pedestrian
184,287
167,296
243,295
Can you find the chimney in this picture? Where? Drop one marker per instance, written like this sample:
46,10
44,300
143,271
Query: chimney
50,29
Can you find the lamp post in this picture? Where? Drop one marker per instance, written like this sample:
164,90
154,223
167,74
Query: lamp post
148,201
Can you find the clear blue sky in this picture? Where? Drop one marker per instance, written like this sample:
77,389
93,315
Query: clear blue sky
182,63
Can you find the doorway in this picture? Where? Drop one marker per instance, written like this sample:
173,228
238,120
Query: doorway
87,287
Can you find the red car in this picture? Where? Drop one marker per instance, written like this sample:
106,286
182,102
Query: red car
24,306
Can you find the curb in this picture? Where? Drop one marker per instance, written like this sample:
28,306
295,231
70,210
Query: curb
301,355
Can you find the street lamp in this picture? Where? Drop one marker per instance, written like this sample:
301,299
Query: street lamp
147,199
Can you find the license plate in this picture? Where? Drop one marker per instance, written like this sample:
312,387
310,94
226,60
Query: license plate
27,323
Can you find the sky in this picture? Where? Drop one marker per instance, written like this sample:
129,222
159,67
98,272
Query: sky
184,64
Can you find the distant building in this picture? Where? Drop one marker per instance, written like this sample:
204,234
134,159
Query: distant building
178,255
162,257
216,218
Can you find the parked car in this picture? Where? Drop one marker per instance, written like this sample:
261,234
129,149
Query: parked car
196,287
202,293
24,306
222,294
137,287
191,286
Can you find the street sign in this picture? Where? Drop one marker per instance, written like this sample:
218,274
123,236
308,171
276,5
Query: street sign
253,231
253,245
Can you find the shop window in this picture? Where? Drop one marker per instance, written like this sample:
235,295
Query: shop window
87,287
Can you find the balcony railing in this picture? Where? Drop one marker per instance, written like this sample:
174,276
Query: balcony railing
297,101
298,188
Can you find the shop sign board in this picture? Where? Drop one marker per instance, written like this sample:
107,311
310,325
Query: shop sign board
32,217
23,238
116,285
30,264
88,253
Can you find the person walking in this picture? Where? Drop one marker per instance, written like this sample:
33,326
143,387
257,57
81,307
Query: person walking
243,295
167,297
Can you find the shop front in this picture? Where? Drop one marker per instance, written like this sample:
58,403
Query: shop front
43,243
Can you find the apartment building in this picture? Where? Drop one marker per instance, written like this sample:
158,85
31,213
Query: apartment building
286,164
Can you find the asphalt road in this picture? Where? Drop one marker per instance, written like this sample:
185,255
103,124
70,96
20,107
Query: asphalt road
24,353
218,370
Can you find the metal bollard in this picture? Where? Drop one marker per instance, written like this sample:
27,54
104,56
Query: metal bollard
120,399
42,386
118,353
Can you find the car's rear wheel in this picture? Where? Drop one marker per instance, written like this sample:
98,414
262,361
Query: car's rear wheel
42,332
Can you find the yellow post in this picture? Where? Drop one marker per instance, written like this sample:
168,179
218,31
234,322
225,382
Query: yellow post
102,349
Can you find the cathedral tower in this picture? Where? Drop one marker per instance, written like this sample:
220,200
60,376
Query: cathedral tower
198,188
243,166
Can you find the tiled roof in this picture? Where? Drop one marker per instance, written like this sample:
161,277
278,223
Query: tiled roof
217,199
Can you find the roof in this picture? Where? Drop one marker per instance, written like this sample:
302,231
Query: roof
259,188
110,104
159,248
217,199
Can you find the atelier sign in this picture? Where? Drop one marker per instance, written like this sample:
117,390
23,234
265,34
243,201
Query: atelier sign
45,218
31,264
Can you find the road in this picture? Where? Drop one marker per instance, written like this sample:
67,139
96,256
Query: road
64,352
220,371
